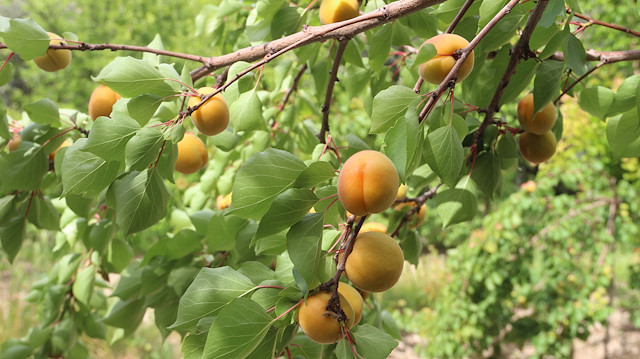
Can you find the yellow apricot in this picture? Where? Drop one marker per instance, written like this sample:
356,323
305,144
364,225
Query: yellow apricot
321,328
223,201
373,227
192,154
213,116
54,60
101,101
338,10
368,183
376,262
542,122
64,144
14,142
436,69
354,298
537,148
402,192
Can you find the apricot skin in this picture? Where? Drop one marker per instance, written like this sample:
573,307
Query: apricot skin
101,101
542,122
368,183
373,227
66,143
354,298
435,70
14,142
537,148
54,60
338,10
213,116
320,328
192,154
376,262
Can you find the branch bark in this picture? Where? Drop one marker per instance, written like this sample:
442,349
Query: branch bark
329,94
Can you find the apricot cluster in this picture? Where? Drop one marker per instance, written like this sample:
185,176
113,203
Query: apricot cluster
537,144
436,69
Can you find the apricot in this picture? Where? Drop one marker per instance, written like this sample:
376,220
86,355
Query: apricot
101,101
223,202
537,148
54,60
373,227
354,298
321,328
436,69
542,122
192,154
402,192
338,10
213,116
376,262
14,142
368,183
66,143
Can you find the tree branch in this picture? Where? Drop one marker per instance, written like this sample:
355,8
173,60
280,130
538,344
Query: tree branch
333,78
606,56
459,16
293,87
602,23
418,202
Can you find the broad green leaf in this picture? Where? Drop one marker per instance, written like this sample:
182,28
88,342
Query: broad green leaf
119,254
373,343
520,80
412,247
43,112
264,176
126,314
141,108
596,100
626,98
542,35
6,206
83,284
546,83
84,173
24,168
315,174
132,77
267,346
455,205
425,53
389,105
553,9
12,235
180,245
304,241
489,9
193,345
379,47
555,44
575,55
288,20
403,141
246,113
623,134
26,38
79,205
237,330
444,154
43,214
210,291
4,123
143,149
486,173
141,200
108,137
306,348
286,209
222,231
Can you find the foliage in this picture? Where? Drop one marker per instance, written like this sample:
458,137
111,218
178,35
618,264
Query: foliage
229,280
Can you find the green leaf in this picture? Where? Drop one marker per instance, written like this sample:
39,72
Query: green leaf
287,208
43,112
12,235
246,112
596,100
520,80
132,77
83,284
24,168
575,55
373,343
626,98
389,105
84,173
222,231
403,141
489,9
193,345
304,243
486,173
553,9
556,43
288,20
412,247
425,53
264,176
455,205
444,154
210,291
143,148
623,134
126,314
4,123
141,108
141,200
379,47
43,214
26,38
108,137
180,245
237,330
315,174
546,83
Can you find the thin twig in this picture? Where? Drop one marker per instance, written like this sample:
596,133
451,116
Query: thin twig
591,20
333,78
293,88
418,202
459,16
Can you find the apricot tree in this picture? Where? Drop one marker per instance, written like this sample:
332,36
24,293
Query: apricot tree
303,116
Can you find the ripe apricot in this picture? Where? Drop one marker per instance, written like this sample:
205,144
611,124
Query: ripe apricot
192,154
66,143
373,227
338,10
223,202
14,142
376,262
354,298
537,148
368,183
321,328
542,122
213,116
54,60
101,101
402,192
437,68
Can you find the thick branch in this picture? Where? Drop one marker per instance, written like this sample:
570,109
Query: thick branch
605,56
329,94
